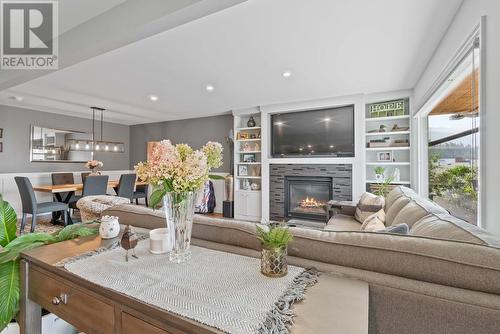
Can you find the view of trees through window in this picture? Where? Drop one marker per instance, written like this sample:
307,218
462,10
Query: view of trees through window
453,133
453,167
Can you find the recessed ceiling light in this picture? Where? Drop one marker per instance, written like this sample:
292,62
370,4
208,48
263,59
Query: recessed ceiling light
17,98
209,88
278,123
153,98
331,146
309,146
286,74
328,119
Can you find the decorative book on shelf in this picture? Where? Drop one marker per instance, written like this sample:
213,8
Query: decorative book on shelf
388,108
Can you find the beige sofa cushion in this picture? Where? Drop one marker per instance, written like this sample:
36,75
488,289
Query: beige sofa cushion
341,222
445,226
366,205
372,224
415,210
396,193
395,208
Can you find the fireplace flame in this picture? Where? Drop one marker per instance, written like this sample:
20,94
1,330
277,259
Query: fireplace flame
310,203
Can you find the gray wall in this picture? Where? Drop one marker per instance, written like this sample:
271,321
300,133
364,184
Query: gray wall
194,132
16,124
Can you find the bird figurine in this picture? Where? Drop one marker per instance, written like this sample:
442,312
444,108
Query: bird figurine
129,242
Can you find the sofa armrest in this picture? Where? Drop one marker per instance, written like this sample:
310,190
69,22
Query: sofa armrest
341,207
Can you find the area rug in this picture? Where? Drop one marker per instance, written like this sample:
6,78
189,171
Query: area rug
219,289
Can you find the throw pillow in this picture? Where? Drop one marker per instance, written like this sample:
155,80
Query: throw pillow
372,224
369,204
396,229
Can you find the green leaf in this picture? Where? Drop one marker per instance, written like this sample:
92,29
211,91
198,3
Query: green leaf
76,230
156,196
8,223
216,177
9,290
13,253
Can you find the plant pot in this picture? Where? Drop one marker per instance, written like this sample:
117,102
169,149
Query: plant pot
273,262
179,213
379,178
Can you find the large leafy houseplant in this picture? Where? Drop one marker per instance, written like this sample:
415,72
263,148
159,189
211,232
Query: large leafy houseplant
11,248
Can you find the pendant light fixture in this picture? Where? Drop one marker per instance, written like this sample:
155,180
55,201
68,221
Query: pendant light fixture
97,143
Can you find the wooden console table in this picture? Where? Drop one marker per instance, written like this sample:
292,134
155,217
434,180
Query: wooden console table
332,303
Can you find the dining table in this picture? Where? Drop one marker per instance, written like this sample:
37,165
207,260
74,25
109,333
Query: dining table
64,192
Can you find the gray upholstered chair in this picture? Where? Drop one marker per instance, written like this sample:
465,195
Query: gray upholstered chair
60,179
84,175
31,206
92,185
141,192
126,186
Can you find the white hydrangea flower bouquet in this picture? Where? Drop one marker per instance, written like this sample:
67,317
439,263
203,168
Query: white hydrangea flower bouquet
179,168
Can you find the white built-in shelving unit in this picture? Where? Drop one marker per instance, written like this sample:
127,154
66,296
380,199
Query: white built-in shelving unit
381,118
247,167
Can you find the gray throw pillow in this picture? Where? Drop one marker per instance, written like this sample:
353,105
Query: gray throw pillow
396,229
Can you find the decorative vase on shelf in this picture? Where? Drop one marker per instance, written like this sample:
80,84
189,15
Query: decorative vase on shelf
179,213
379,177
251,122
229,183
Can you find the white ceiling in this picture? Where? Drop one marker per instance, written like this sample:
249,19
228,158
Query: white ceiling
75,12
332,48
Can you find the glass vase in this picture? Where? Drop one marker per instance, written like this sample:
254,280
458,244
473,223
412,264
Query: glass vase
273,262
179,213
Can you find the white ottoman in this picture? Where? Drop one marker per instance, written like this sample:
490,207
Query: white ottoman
91,207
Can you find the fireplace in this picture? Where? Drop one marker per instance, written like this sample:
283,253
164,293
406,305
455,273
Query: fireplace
306,197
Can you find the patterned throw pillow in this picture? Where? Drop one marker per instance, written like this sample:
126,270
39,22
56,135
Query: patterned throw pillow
368,205
373,224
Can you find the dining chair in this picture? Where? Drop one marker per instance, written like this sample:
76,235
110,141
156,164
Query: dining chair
93,185
126,186
141,191
31,206
60,179
84,175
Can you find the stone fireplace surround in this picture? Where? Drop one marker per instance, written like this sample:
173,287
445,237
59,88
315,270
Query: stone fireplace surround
341,175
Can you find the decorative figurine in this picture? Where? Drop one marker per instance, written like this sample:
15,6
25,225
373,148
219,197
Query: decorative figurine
129,241
251,122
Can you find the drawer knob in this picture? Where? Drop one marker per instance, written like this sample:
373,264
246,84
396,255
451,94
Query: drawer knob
63,298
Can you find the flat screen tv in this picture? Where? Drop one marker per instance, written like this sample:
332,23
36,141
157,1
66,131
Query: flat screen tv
323,132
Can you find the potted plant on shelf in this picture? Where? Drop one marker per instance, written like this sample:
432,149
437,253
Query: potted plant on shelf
274,239
10,250
176,172
379,173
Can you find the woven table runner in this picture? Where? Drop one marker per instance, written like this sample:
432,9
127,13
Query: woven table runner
219,289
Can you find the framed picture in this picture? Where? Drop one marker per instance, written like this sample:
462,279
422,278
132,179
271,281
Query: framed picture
150,147
1,147
242,170
242,135
384,156
1,132
249,157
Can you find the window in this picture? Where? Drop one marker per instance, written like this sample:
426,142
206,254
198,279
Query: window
453,141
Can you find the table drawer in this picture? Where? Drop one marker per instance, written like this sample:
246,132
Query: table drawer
82,310
133,325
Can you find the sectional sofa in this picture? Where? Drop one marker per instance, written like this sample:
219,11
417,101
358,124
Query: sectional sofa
442,277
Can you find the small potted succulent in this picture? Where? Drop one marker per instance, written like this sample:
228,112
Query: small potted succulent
274,239
379,173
